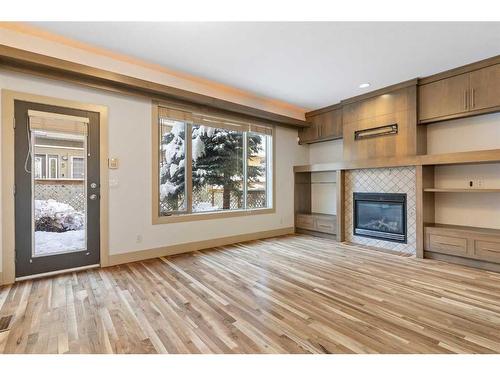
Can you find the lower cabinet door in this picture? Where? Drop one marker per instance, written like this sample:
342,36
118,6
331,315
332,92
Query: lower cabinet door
487,250
447,245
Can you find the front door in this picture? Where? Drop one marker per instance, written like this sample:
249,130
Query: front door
57,188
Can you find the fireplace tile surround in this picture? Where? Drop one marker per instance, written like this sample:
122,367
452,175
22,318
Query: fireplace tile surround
382,180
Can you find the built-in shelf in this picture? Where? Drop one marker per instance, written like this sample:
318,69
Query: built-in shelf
454,190
463,228
467,157
316,222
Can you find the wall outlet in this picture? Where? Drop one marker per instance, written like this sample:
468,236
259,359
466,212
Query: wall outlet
480,183
138,238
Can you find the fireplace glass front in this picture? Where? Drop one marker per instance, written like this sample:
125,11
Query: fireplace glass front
380,215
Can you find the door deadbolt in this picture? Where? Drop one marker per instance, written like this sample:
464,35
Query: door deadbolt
93,185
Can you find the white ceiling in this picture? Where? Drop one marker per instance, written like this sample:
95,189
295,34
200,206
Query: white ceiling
307,64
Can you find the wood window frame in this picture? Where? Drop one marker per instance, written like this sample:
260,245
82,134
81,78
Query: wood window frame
196,216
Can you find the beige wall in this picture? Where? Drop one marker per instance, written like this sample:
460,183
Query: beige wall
130,190
325,152
469,134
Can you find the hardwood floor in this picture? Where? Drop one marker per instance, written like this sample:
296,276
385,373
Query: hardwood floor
293,294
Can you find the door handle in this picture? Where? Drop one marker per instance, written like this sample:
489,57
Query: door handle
93,197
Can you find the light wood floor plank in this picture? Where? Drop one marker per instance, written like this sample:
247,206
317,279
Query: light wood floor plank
292,294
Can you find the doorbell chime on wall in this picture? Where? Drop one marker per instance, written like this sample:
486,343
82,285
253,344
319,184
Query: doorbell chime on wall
113,163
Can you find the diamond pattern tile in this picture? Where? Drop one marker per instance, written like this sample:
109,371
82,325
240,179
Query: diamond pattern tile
384,180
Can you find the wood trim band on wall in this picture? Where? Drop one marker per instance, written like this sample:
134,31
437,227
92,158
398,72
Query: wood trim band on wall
51,67
460,70
136,256
8,178
466,157
324,110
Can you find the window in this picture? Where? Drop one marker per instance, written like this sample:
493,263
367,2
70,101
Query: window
40,166
221,166
77,167
53,161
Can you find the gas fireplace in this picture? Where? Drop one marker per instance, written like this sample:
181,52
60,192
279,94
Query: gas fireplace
380,215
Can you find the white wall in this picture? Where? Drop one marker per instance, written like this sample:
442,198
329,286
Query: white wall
324,192
130,201
326,152
469,134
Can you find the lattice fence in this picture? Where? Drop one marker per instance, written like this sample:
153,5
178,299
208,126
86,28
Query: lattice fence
210,199
72,193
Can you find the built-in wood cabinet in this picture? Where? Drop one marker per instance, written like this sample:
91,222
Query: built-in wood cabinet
317,222
485,88
444,97
438,188
317,203
467,242
461,95
309,135
393,107
325,126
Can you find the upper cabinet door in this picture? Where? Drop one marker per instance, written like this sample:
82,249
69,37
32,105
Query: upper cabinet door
324,126
331,124
308,135
449,96
485,88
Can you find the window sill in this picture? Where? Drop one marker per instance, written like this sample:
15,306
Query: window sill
210,215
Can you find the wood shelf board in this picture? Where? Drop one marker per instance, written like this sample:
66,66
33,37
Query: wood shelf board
467,157
462,228
317,214
453,190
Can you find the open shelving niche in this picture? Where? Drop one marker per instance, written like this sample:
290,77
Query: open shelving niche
316,203
477,245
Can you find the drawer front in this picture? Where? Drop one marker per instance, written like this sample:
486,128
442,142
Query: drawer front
487,250
447,245
305,222
325,225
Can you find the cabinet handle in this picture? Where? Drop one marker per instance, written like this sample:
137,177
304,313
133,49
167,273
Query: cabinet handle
465,99
473,94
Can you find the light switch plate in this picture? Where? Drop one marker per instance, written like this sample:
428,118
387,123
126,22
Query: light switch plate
113,163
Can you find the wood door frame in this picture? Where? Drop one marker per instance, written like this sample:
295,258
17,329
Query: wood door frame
8,180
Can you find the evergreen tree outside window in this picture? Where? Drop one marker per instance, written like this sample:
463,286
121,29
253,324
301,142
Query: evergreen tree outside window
227,166
172,166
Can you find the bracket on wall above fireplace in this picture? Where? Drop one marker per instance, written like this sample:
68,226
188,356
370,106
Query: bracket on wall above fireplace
376,132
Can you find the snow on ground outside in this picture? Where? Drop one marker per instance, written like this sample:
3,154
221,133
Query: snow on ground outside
62,213
54,242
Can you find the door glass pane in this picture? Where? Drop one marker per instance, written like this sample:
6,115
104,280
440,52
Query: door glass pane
217,169
59,200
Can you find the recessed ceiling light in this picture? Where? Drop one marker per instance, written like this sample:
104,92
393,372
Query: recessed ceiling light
364,85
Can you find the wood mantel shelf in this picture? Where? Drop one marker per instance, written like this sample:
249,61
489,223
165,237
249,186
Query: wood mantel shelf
468,157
